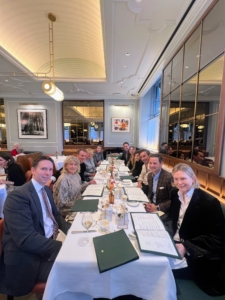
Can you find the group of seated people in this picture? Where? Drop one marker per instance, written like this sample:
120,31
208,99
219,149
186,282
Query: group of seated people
198,155
193,217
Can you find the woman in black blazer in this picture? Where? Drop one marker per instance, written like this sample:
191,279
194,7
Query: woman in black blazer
198,229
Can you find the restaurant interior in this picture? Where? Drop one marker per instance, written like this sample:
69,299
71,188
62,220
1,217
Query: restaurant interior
162,70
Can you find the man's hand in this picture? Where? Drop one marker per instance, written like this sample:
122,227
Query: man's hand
181,249
150,207
139,184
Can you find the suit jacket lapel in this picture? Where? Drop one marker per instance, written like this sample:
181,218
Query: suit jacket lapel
191,207
36,199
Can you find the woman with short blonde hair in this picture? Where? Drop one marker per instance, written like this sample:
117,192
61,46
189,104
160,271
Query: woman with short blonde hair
188,170
196,223
68,187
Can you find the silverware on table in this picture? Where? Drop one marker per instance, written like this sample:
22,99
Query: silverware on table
82,231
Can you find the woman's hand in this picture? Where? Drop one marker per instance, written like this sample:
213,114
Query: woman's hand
181,250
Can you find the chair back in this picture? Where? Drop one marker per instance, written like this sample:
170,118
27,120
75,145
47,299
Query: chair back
30,162
1,234
28,175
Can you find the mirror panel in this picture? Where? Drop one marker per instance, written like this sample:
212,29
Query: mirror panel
213,34
194,118
191,54
167,80
177,66
83,122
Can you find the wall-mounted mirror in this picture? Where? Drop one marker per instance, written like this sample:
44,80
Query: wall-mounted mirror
191,96
83,122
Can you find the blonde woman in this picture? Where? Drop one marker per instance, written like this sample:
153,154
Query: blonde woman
90,166
68,187
131,161
198,231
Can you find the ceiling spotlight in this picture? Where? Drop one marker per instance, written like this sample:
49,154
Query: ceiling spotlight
125,66
127,54
201,127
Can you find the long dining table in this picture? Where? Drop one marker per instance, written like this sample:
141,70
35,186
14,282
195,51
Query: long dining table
75,273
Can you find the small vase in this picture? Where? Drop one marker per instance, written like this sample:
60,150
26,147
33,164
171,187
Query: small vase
111,198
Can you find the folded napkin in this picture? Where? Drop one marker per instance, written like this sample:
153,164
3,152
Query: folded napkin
85,205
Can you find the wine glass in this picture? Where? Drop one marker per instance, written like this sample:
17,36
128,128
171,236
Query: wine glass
87,221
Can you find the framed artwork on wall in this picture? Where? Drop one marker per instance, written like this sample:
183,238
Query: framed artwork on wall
32,123
120,124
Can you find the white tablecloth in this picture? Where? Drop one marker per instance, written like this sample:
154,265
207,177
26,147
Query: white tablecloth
59,162
75,271
3,195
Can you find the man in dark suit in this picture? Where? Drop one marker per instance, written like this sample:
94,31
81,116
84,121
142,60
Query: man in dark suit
31,223
160,185
126,154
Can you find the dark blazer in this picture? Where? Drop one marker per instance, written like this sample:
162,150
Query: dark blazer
202,234
82,171
137,169
15,174
163,190
24,243
203,227
123,157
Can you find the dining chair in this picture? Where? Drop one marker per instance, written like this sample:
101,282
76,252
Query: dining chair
39,287
28,175
30,162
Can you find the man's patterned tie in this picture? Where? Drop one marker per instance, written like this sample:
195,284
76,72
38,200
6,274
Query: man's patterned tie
47,205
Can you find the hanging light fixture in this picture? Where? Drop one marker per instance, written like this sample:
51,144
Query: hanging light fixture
49,87
96,126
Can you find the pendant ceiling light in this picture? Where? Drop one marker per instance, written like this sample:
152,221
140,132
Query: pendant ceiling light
49,87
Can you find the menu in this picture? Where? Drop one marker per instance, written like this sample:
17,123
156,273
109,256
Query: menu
152,236
93,190
135,194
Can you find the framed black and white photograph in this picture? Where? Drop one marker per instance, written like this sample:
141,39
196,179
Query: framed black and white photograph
32,123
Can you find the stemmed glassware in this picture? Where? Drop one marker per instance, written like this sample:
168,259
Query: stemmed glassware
87,221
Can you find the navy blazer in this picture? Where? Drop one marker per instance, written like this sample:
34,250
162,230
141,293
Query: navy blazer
24,243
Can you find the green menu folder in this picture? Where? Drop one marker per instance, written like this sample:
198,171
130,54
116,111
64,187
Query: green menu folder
85,205
127,177
113,250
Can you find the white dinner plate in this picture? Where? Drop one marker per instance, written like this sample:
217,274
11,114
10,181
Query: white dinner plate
133,204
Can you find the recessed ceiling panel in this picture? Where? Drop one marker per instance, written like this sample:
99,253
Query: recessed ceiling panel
78,40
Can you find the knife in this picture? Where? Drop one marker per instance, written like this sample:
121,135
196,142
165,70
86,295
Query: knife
82,231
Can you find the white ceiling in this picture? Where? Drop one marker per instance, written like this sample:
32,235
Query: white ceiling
85,67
